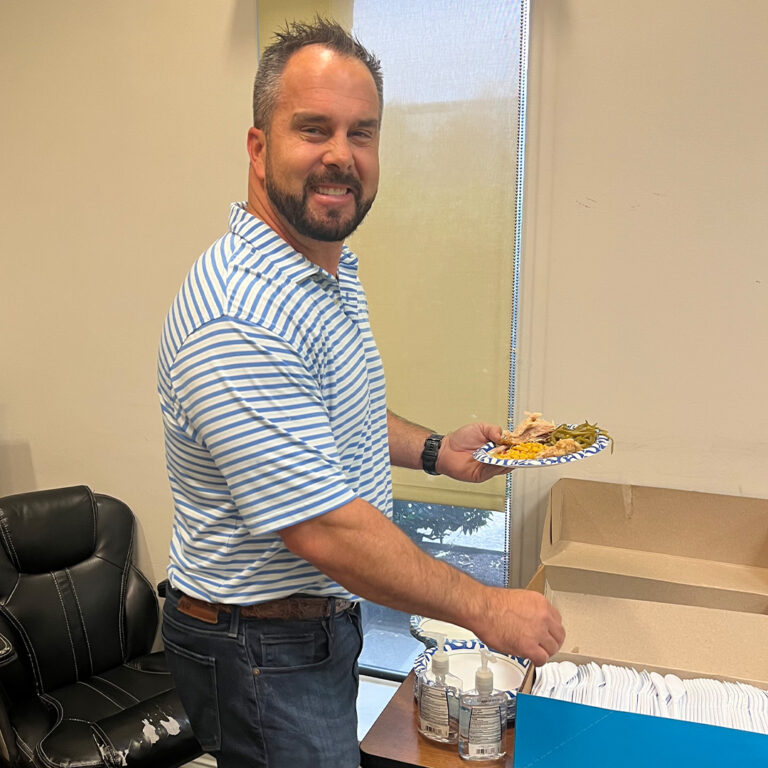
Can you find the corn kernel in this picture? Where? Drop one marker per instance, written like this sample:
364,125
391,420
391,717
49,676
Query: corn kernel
521,452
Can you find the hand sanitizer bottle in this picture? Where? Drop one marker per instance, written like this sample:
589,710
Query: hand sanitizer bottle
438,697
483,716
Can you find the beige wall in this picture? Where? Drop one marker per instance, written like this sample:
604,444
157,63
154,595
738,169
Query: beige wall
123,142
645,282
644,285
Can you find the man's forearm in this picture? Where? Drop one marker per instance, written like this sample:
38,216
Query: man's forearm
370,556
406,441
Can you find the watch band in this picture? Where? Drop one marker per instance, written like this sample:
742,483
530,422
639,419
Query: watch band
429,454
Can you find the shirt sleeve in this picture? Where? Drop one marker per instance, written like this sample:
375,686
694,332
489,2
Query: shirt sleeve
249,398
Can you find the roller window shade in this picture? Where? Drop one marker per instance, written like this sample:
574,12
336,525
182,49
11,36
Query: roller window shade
437,249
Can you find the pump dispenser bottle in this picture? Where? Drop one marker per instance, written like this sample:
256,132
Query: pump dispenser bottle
438,697
483,716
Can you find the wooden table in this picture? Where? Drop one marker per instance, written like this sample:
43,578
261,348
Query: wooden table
394,740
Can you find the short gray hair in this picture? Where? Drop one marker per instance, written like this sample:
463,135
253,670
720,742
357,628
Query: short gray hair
289,40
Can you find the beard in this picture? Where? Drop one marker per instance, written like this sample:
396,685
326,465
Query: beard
335,226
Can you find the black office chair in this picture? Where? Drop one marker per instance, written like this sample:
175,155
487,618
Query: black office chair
78,684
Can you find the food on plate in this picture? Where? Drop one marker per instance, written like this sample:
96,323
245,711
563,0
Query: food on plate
584,434
519,452
537,438
561,448
533,429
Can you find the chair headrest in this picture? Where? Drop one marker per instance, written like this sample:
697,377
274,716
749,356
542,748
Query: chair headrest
48,530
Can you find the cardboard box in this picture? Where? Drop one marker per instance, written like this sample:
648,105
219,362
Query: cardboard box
657,579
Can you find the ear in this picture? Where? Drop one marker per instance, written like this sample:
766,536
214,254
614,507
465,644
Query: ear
257,151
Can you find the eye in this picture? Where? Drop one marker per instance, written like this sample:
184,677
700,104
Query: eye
362,136
313,131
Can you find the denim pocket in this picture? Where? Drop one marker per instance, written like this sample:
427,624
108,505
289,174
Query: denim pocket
277,651
195,679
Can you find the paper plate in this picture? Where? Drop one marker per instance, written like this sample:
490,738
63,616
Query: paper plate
484,455
464,659
421,625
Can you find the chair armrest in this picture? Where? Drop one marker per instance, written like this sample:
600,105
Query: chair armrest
166,738
162,587
8,754
7,651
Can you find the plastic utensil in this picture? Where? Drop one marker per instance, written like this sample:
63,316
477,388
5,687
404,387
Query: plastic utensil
678,693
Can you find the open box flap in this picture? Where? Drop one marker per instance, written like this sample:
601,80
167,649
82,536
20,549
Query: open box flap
674,580
663,537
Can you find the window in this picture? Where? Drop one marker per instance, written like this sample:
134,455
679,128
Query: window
473,540
438,259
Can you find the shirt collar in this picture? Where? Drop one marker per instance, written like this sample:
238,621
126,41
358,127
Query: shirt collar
281,256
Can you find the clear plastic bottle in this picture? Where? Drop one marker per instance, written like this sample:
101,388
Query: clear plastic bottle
438,698
483,716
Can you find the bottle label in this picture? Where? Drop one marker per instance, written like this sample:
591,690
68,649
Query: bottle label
482,730
433,729
484,750
437,708
433,712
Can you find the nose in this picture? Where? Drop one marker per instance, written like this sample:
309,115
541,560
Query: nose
338,153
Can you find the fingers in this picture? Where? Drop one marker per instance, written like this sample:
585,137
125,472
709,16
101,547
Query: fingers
493,432
545,628
547,647
558,630
473,435
549,643
494,470
539,657
524,624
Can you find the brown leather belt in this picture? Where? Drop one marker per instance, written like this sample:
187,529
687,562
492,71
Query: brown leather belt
295,607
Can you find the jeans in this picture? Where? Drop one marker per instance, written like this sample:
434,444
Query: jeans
266,693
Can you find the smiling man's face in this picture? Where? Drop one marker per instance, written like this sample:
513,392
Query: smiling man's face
322,149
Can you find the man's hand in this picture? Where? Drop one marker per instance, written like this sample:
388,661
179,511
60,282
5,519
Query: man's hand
455,457
522,623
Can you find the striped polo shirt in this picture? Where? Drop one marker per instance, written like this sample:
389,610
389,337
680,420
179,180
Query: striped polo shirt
274,411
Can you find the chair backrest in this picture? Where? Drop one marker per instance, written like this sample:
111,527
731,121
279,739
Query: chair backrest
69,594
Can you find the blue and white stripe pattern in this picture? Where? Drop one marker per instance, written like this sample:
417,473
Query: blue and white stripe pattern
274,410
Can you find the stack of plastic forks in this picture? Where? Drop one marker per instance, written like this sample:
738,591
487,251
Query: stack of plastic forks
703,700
758,708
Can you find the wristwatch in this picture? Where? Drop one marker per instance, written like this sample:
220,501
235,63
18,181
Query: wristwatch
429,454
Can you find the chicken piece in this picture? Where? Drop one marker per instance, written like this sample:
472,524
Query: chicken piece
533,429
560,448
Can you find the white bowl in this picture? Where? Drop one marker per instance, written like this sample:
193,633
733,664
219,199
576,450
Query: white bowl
464,659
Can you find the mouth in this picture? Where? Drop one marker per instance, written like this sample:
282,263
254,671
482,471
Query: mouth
332,191
334,187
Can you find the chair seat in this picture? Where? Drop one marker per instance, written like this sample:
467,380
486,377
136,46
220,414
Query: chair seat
99,718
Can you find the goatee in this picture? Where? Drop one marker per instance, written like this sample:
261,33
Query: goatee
335,227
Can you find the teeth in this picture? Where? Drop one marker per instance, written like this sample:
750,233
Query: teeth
332,190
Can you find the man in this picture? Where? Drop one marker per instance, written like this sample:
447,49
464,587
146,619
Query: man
279,443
